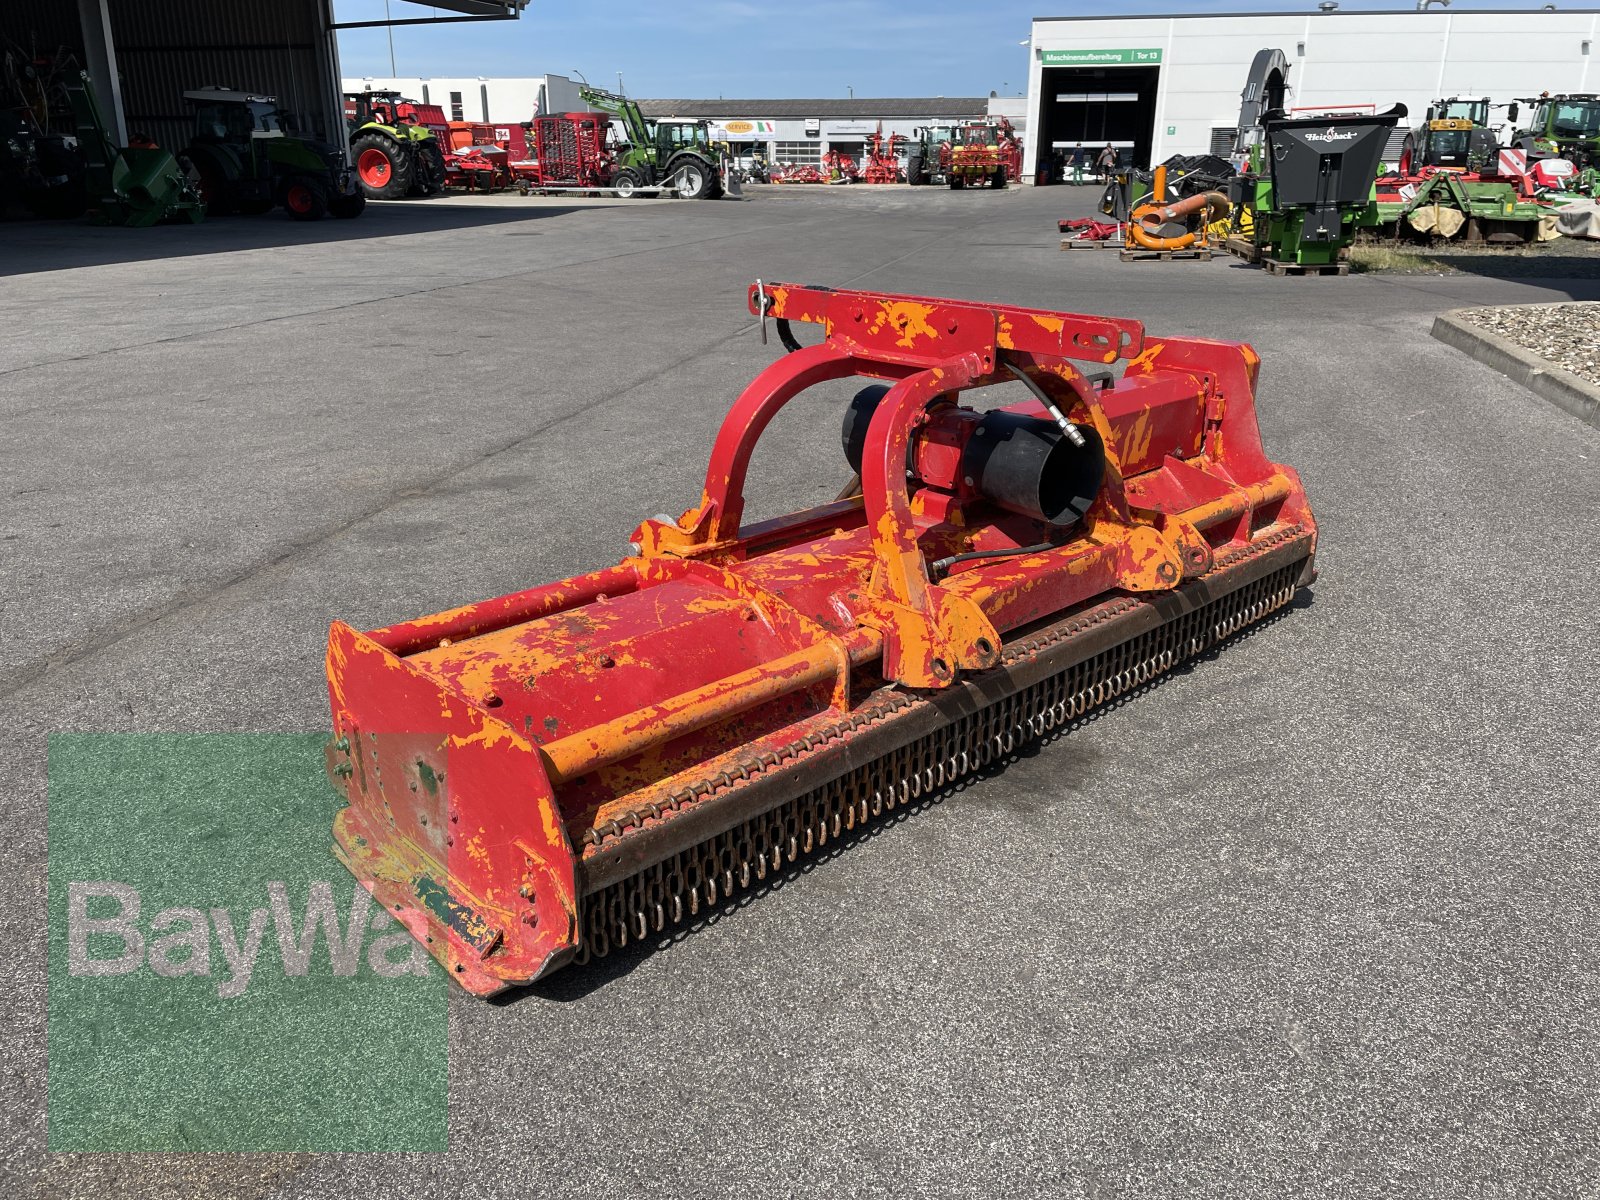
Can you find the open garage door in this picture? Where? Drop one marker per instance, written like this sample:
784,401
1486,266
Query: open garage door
1096,105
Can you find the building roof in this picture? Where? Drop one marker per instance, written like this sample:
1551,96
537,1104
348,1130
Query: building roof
861,106
1338,12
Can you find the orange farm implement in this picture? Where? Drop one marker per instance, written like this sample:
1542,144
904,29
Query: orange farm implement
840,167
1085,231
551,775
883,157
1163,226
571,151
798,173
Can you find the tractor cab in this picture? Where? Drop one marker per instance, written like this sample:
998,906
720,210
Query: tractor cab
372,107
1571,117
1565,125
1458,133
671,137
225,117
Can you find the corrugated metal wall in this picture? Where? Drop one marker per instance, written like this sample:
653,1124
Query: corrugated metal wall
42,25
166,46
271,46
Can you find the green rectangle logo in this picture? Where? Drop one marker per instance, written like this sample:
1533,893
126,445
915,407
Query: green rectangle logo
218,981
1099,58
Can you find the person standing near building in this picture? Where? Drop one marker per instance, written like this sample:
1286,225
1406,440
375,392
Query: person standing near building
1077,163
1106,162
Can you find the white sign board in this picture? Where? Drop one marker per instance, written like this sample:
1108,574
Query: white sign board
1513,161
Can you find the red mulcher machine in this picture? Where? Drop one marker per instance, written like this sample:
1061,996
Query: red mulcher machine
544,777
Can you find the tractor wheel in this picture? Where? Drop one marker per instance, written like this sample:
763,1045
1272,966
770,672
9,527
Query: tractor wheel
957,183
383,167
626,184
429,177
214,191
998,179
346,207
717,190
915,175
694,179
305,198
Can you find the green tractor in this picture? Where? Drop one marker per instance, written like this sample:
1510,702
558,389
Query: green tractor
248,161
1565,125
395,154
928,156
659,153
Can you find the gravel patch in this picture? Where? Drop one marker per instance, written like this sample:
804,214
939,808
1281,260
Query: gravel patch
1567,335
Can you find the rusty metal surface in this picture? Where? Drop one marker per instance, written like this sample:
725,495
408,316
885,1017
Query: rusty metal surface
601,712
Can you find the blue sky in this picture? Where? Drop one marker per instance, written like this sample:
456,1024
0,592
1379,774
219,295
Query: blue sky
761,48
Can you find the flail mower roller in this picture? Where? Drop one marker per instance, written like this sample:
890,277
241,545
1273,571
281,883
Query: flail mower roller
554,774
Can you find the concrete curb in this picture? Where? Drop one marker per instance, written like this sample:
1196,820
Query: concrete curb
1562,388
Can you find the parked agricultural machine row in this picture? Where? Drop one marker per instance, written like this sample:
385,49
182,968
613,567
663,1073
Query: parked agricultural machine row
981,153
58,157
637,157
1455,177
1300,188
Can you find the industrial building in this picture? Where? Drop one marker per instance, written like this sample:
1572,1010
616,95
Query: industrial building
1155,86
141,55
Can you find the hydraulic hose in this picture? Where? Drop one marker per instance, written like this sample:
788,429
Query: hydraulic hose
940,567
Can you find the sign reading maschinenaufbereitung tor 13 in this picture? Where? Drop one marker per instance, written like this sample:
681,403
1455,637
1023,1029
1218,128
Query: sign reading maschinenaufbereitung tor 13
1098,58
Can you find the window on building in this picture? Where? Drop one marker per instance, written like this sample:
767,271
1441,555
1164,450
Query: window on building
1222,140
455,107
800,152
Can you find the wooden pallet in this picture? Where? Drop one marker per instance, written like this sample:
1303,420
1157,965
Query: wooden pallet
1274,267
1088,244
1243,248
1166,255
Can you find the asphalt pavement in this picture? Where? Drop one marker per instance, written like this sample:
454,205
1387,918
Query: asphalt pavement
1316,917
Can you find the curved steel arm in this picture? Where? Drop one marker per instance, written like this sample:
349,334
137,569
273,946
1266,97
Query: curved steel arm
883,476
